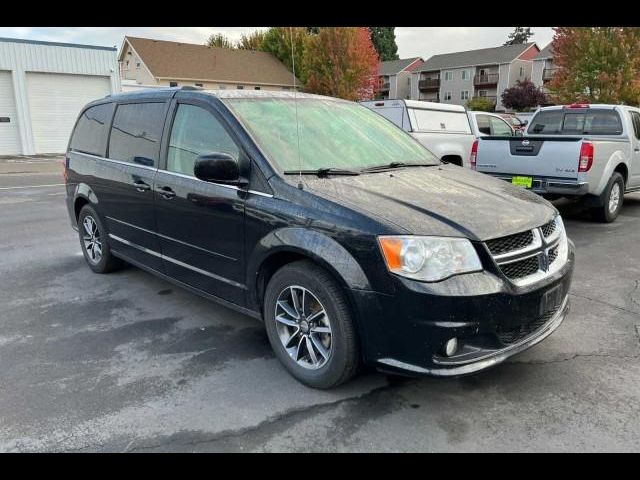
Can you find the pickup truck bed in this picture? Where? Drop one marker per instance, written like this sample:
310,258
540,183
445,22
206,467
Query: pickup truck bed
552,170
586,151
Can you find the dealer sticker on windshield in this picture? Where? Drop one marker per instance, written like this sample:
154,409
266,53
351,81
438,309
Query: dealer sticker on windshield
522,181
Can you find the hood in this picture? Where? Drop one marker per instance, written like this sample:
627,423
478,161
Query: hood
443,200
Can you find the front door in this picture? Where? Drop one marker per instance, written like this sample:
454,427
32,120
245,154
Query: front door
200,224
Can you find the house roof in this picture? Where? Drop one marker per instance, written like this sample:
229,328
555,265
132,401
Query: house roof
393,67
483,56
175,60
544,54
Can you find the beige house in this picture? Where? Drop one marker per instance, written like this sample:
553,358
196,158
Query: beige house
147,63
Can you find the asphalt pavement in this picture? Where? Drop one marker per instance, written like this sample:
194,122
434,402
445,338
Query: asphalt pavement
129,362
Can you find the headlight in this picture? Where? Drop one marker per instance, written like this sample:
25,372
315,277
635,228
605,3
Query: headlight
429,259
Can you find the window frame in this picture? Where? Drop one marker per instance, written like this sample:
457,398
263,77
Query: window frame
166,103
495,118
448,75
168,128
462,96
450,94
635,123
109,123
466,74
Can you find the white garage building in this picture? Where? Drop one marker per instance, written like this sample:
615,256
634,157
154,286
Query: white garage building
43,86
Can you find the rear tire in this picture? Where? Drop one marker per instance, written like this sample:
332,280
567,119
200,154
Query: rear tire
319,349
94,242
612,200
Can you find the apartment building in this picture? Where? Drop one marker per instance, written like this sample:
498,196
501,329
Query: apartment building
458,77
395,78
543,68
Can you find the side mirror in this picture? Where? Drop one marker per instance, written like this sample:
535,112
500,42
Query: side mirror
217,167
525,122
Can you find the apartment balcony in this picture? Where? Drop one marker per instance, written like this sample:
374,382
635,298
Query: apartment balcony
485,80
548,73
429,84
429,98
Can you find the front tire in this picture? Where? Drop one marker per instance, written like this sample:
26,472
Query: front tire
95,243
310,326
612,200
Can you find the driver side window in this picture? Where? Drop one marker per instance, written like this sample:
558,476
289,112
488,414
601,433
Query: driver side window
195,132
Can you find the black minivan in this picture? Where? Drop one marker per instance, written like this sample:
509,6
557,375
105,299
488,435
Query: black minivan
350,241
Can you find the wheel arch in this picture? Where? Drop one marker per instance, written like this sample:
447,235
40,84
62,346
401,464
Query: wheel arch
83,195
288,245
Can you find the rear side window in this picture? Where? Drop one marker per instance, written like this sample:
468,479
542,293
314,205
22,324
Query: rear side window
438,121
484,126
394,114
90,134
135,134
583,122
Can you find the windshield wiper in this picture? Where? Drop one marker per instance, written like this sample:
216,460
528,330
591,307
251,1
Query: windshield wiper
323,172
391,165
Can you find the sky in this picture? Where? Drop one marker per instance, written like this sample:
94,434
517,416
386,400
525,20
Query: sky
412,41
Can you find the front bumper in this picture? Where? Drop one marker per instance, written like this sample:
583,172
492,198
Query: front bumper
406,332
551,185
487,359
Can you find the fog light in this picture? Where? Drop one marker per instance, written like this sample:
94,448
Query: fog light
451,347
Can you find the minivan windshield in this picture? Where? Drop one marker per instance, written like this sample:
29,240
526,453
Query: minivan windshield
333,134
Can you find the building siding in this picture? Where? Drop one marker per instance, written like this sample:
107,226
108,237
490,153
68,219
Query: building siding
21,57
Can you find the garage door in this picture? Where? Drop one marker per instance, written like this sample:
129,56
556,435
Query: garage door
9,136
55,101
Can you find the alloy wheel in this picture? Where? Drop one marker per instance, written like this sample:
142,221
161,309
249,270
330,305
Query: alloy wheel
614,198
91,239
303,327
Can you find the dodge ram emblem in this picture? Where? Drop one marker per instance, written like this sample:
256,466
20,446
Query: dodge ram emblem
525,143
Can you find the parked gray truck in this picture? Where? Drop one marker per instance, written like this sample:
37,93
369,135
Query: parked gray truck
579,150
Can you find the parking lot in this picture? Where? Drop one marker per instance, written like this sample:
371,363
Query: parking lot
129,362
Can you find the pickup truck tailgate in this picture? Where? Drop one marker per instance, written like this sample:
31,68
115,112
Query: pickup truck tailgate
548,157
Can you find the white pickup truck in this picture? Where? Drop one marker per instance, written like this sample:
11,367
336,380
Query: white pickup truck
444,129
579,150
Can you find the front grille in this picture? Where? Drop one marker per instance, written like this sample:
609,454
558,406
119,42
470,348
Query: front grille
549,228
520,268
514,335
553,254
510,243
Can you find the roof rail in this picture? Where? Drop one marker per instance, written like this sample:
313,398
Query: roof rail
190,87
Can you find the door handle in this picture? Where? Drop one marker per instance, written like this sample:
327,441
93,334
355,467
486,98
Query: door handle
166,192
636,149
141,186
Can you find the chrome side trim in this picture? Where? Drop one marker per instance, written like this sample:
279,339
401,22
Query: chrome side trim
224,185
173,239
118,162
178,262
155,169
135,245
